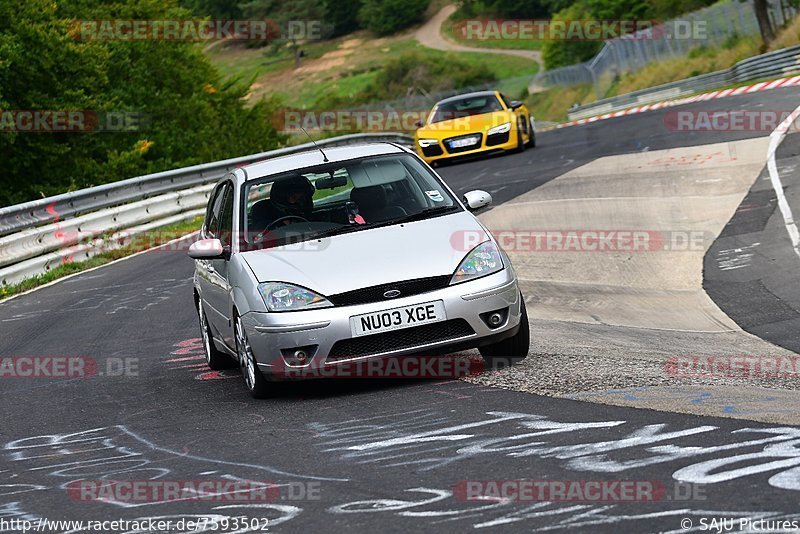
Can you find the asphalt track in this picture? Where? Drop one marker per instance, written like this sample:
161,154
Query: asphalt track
369,455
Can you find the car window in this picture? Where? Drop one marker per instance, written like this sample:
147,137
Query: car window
465,107
352,195
214,210
226,219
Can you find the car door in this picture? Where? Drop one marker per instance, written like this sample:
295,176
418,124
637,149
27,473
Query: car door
210,224
213,273
220,269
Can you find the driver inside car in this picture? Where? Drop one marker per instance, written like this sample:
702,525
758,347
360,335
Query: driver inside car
290,201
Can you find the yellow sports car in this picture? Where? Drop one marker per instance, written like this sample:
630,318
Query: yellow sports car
472,124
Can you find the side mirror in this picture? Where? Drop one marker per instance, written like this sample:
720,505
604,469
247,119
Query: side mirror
476,200
206,249
418,123
515,104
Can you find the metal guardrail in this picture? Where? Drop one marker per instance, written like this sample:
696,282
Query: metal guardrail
719,22
39,235
770,65
47,210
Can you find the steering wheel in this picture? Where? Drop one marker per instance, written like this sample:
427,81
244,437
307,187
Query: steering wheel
276,221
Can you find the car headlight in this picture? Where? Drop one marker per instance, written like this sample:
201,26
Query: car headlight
481,261
281,297
424,143
503,128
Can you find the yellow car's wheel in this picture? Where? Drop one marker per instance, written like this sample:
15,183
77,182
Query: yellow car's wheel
520,135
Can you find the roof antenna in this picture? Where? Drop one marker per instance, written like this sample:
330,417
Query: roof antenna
324,157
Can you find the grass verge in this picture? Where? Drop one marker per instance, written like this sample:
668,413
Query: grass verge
341,69
450,31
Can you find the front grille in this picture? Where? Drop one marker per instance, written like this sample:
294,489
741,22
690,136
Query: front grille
432,151
497,139
406,338
474,146
375,293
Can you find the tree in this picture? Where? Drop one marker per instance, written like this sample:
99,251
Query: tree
298,20
195,117
385,17
342,16
764,23
218,9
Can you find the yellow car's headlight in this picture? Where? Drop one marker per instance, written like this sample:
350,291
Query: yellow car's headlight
503,128
424,143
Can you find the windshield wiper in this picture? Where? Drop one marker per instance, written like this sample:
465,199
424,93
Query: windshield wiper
418,216
336,231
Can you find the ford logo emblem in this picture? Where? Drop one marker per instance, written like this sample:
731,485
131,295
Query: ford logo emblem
392,293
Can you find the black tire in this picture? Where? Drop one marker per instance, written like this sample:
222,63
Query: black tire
532,140
511,350
257,385
215,358
520,140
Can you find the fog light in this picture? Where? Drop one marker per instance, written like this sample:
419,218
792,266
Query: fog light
299,356
496,318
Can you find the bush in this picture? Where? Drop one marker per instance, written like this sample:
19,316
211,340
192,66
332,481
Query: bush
559,53
385,17
414,72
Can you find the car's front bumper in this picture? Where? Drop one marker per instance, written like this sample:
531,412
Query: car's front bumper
487,145
275,336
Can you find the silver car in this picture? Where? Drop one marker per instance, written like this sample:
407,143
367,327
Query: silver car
317,260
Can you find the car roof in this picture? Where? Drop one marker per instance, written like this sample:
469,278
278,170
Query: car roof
466,95
312,157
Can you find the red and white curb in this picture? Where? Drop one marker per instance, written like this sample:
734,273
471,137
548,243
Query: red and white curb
761,86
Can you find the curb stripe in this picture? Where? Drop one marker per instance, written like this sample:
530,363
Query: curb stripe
761,86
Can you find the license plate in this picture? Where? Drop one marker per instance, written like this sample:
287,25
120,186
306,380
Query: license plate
458,143
397,318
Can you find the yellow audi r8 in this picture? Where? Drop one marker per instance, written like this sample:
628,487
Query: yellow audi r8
474,124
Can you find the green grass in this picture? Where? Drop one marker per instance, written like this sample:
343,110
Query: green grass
449,31
351,83
163,235
241,62
554,103
301,90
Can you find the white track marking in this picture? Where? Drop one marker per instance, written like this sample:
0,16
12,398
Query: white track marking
776,138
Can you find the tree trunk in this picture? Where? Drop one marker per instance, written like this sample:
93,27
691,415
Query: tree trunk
764,24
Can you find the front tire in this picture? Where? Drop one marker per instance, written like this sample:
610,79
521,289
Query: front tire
216,359
511,350
254,379
520,136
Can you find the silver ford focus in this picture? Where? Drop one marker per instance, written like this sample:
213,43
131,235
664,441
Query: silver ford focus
322,259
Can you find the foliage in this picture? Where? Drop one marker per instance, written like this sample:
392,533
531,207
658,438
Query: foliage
414,72
385,17
193,116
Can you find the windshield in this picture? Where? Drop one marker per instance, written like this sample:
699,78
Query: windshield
465,107
338,198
